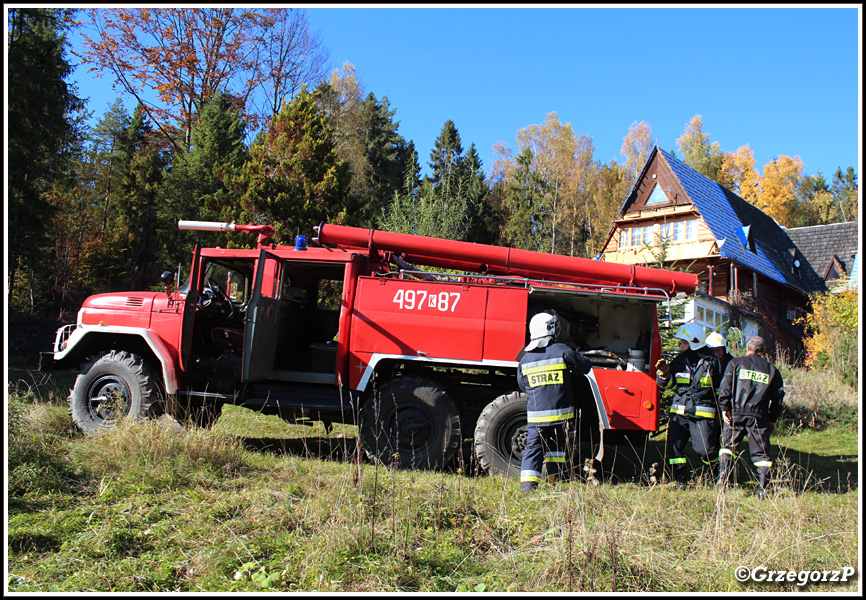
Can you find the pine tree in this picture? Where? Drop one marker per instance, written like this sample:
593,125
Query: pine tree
386,154
529,218
444,157
846,194
199,185
40,117
141,175
294,178
704,157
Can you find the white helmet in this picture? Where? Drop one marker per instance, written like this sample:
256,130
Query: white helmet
542,328
693,334
715,340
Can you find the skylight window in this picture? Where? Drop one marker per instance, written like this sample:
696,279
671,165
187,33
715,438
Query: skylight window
746,238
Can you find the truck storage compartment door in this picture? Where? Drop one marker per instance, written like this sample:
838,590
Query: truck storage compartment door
262,321
630,399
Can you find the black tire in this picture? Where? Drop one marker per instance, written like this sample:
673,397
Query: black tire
500,435
194,412
112,386
411,422
500,438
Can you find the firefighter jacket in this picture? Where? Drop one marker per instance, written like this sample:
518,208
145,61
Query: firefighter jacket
544,374
694,377
722,365
752,386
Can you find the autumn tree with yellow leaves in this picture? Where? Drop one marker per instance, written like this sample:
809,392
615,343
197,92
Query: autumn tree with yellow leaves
832,332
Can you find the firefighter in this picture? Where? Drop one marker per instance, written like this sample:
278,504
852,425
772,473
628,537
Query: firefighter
719,347
694,375
751,397
544,373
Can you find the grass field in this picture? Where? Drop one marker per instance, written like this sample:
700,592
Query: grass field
257,504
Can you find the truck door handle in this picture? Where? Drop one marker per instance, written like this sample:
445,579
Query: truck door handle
422,353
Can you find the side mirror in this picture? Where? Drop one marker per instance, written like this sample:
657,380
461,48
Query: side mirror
167,278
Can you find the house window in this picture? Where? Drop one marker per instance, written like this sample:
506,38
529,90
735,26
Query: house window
636,236
691,229
709,318
679,231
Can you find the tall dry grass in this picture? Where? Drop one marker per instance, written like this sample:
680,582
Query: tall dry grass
150,508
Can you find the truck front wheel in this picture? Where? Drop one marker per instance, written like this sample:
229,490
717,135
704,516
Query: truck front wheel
109,387
411,422
500,435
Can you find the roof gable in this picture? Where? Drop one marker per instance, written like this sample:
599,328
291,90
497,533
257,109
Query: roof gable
828,246
746,234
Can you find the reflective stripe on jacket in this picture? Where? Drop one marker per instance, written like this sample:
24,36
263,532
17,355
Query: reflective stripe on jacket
694,377
544,374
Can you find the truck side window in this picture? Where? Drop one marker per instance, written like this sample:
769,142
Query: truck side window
233,280
330,294
293,292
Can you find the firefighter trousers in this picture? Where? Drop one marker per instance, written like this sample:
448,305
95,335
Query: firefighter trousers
545,449
704,435
758,430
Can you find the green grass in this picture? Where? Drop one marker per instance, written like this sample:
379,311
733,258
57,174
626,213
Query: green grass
258,504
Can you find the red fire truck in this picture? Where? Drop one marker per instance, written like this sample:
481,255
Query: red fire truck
349,329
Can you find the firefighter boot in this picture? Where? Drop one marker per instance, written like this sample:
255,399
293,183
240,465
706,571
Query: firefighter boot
681,475
763,481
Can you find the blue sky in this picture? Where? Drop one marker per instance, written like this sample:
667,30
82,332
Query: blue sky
785,81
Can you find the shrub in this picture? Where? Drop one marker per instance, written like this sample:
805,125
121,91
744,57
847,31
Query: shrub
832,333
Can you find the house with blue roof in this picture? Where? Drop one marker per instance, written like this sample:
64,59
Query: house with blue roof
751,274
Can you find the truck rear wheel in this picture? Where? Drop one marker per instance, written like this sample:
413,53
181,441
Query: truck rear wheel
411,422
111,386
500,435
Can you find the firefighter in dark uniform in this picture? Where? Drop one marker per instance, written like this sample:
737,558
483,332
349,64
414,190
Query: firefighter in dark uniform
694,375
718,345
544,373
751,400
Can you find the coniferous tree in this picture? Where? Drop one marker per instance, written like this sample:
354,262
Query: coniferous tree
481,217
528,225
846,194
199,185
444,158
386,154
141,175
294,178
698,152
41,121
367,139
